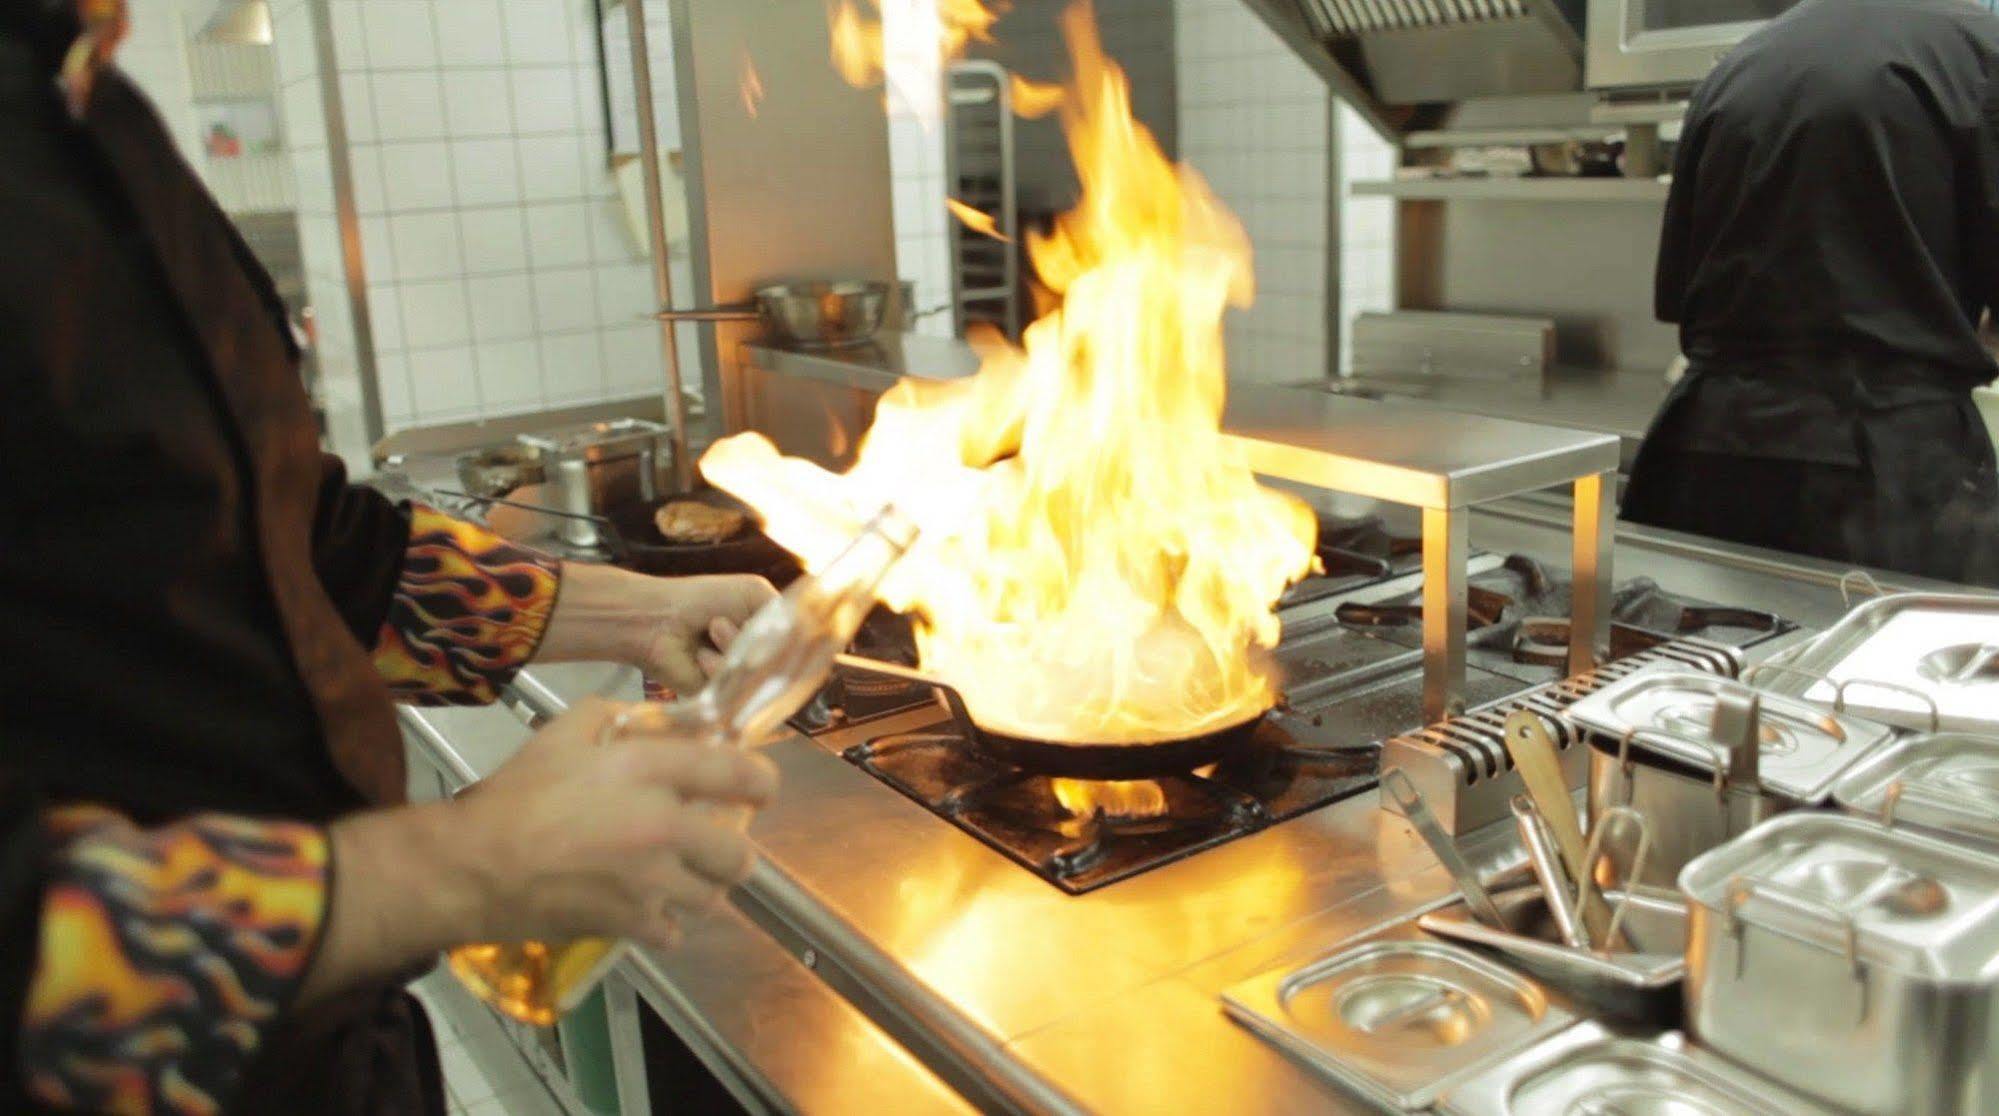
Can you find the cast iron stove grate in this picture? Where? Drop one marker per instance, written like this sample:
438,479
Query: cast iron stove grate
1517,616
1356,553
1016,812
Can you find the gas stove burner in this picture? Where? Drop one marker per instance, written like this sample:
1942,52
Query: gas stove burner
1076,835
1544,641
1484,609
1367,537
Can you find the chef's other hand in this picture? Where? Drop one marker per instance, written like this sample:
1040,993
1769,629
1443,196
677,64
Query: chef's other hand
660,625
589,835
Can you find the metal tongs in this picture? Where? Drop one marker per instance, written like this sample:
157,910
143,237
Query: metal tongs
1566,899
1401,788
1613,941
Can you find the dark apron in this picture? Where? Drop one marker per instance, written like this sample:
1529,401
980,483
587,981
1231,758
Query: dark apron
369,1053
1910,489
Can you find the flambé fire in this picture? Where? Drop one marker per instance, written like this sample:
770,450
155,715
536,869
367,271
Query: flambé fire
1098,562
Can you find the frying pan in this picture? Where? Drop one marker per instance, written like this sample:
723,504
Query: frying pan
633,541
1077,759
828,314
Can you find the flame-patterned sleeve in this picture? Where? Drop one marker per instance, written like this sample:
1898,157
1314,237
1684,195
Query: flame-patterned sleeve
469,612
164,956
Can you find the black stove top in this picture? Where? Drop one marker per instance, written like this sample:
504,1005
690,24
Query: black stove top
1112,831
1352,680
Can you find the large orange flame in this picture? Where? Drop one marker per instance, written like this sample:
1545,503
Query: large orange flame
1082,798
1098,563
905,43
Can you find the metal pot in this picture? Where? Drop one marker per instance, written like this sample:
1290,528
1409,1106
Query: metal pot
602,465
1947,784
1705,759
1850,962
828,314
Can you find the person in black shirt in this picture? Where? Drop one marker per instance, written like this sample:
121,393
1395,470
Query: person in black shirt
1831,245
212,889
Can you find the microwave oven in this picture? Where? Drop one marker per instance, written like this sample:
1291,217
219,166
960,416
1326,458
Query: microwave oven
1664,44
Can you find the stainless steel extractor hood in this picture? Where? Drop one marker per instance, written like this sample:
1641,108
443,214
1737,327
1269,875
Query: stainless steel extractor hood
1402,62
239,22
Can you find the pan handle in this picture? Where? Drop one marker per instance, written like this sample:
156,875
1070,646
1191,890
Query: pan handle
953,700
607,529
740,313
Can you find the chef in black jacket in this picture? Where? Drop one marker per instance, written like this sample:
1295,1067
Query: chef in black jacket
210,888
1831,245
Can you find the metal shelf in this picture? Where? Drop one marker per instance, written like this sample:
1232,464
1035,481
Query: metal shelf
1511,137
1627,190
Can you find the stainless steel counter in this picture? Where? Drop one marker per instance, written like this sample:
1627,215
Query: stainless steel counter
761,1021
1018,996
933,969
881,959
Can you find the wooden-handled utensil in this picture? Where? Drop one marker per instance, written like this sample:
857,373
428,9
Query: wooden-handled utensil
1540,766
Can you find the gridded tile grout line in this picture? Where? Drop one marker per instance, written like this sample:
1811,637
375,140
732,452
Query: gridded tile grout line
484,1075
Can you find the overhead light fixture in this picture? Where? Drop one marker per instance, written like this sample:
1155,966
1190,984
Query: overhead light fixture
240,22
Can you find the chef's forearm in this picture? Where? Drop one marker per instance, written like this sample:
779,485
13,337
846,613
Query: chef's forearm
407,884
604,614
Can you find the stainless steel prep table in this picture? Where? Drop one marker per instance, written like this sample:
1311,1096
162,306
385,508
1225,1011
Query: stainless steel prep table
1620,403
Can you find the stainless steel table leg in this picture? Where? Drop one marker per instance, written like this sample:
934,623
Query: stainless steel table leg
628,1059
1589,621
1446,550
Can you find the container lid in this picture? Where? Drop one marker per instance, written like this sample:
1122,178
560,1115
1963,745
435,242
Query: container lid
1907,658
1948,783
1589,1069
1908,902
1668,712
1399,1020
570,440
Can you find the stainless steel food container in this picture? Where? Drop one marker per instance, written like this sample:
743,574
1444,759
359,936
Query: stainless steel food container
1650,750
1638,986
1398,1019
1589,1070
1855,964
1922,661
598,466
1947,784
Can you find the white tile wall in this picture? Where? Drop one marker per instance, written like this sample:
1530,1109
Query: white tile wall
916,163
299,98
1367,228
500,276
1255,122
